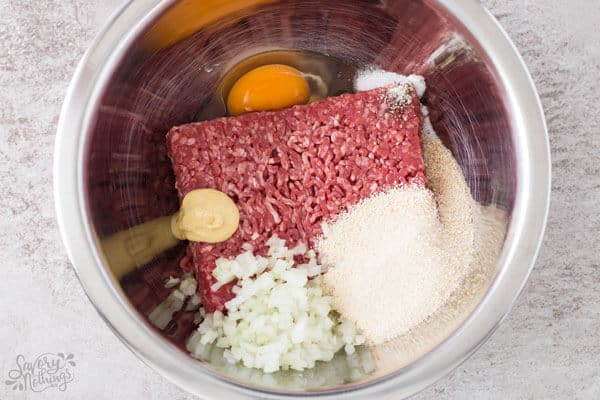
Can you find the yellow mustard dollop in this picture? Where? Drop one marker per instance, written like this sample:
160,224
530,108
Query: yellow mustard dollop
206,215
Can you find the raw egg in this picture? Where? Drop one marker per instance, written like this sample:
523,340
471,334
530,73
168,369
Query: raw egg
270,87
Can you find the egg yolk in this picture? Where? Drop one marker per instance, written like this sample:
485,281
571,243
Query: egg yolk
270,87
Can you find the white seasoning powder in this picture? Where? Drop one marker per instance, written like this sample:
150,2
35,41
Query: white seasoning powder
372,78
395,258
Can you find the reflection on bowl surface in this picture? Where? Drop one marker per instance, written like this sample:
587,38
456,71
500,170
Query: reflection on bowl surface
176,64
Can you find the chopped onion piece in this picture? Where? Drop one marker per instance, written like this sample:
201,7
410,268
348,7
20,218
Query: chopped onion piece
223,272
172,282
188,286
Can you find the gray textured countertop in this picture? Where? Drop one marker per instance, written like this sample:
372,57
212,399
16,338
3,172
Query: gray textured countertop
548,347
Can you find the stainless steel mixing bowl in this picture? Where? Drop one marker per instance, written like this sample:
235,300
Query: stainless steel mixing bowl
156,64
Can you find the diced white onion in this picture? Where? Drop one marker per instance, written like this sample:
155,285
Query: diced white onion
172,282
279,318
188,286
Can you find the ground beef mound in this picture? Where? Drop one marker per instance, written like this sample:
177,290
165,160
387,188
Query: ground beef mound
289,170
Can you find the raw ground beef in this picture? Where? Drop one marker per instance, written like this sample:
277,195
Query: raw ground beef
289,170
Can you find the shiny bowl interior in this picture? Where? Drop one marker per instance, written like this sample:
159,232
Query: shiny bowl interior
157,64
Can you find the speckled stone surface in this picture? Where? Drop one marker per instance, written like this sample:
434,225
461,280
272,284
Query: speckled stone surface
549,346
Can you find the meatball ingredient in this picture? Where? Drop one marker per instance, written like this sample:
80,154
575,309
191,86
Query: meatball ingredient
266,88
371,78
401,251
206,215
279,319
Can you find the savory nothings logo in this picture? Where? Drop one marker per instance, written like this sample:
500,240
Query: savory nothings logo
49,370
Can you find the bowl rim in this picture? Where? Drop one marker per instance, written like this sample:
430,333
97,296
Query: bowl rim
524,235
